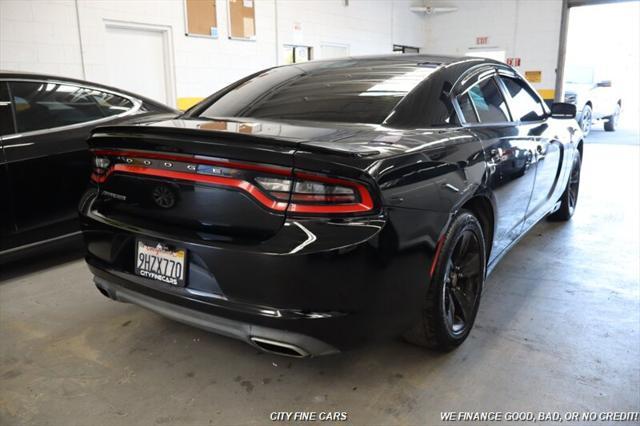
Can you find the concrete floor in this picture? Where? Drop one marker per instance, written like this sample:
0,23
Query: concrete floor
558,330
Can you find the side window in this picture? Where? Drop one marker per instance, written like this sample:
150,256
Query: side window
489,102
468,112
44,105
111,104
524,105
6,116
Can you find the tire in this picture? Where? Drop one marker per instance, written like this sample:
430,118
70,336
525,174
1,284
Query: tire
457,283
569,199
586,120
612,123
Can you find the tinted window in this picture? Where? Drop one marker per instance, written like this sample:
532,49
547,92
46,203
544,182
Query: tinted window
524,105
111,104
346,92
429,105
48,105
489,102
468,112
6,118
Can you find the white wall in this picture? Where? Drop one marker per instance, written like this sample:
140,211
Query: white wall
42,36
44,41
528,29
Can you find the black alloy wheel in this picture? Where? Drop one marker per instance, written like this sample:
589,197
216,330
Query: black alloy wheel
455,289
462,284
569,198
574,184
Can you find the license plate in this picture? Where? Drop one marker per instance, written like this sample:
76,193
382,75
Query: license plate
159,262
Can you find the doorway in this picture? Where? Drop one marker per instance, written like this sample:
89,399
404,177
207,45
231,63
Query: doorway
333,50
400,48
602,68
297,54
139,59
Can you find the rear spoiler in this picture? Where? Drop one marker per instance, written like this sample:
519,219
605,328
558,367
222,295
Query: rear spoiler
213,136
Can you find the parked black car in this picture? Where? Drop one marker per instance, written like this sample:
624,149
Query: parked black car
44,159
308,208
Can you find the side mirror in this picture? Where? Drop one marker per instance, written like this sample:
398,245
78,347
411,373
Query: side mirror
604,83
563,110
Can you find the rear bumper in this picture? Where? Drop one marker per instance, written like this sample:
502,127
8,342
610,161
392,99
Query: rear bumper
320,286
264,338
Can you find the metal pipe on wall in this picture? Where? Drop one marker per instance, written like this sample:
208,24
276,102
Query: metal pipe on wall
84,71
562,52
275,14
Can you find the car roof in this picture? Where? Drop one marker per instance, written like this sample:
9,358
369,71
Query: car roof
11,75
359,66
397,59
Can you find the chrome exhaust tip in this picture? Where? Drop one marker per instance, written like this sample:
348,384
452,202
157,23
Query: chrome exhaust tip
104,292
279,348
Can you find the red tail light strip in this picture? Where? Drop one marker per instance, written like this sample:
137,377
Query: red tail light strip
366,203
275,170
215,180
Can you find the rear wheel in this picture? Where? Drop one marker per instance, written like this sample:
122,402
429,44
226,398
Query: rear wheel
569,198
586,120
612,123
454,293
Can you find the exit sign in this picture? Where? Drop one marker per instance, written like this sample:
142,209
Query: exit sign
482,40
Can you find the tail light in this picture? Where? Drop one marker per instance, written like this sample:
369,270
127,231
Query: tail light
100,168
311,193
277,188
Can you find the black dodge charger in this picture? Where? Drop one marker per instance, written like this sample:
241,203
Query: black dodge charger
308,208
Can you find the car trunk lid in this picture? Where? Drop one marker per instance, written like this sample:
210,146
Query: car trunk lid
215,178
168,178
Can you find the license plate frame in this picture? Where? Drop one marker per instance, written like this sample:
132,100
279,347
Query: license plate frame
165,263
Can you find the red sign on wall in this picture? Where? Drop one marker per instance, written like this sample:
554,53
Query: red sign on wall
482,40
514,62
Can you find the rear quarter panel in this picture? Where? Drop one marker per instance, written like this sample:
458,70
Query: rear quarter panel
419,183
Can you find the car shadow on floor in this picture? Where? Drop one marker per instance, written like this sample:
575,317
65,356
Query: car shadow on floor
176,346
41,258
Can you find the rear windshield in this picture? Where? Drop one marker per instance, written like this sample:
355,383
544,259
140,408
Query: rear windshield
340,92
